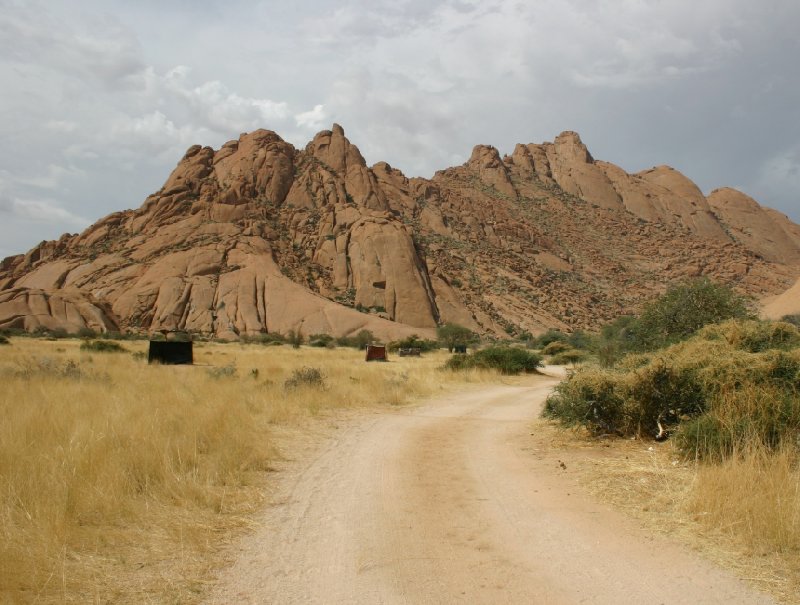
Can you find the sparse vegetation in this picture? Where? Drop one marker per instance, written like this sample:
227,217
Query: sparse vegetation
568,356
4,340
506,360
141,473
414,342
305,377
359,341
102,346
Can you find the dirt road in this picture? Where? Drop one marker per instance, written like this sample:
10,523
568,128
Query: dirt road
446,503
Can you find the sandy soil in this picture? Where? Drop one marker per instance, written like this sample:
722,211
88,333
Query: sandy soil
453,501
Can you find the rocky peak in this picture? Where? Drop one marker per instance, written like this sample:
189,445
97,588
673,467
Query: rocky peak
259,236
486,161
570,148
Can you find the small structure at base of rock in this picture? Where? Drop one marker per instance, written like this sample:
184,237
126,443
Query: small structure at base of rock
376,353
170,352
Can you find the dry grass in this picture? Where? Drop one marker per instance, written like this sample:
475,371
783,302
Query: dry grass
744,513
120,482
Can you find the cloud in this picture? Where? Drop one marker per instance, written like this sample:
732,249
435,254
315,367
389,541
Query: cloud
779,180
311,119
41,211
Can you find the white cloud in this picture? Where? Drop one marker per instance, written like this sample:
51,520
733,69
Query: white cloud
41,211
311,119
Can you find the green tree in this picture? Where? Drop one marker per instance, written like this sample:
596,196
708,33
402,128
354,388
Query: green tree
453,335
683,310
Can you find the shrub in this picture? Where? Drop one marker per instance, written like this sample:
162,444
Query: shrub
551,336
414,342
4,340
554,347
453,335
321,341
228,371
755,336
305,377
86,332
792,319
683,310
102,346
721,392
267,338
508,360
359,341
295,338
568,356
589,398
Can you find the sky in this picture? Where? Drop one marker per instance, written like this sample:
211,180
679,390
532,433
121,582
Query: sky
101,98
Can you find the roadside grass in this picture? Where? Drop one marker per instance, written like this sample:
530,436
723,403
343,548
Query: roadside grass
728,480
743,513
121,482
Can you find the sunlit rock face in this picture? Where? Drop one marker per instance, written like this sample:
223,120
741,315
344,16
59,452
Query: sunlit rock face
258,236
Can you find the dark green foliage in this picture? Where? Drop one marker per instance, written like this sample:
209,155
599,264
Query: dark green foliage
86,333
568,356
556,346
551,336
305,377
581,340
322,341
663,392
454,335
414,342
359,341
731,386
792,319
589,398
295,339
683,310
4,340
268,338
102,346
508,360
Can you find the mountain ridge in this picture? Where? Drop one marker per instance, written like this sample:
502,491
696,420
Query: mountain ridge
260,236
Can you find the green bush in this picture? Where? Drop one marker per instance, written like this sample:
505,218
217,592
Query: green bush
792,319
568,356
102,346
507,360
295,338
551,336
414,342
755,336
589,398
682,311
359,341
322,341
4,340
731,386
267,338
554,347
453,335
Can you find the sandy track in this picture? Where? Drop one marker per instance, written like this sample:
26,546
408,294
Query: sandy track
446,503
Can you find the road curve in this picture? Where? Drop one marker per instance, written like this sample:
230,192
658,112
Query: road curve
445,503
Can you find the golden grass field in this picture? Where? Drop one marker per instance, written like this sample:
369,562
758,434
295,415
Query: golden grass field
121,482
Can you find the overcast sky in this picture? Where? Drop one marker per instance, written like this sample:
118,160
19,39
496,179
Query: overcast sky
100,98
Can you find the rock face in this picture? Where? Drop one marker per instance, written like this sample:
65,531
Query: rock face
261,237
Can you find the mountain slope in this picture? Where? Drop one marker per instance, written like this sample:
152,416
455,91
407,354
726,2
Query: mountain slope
259,236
